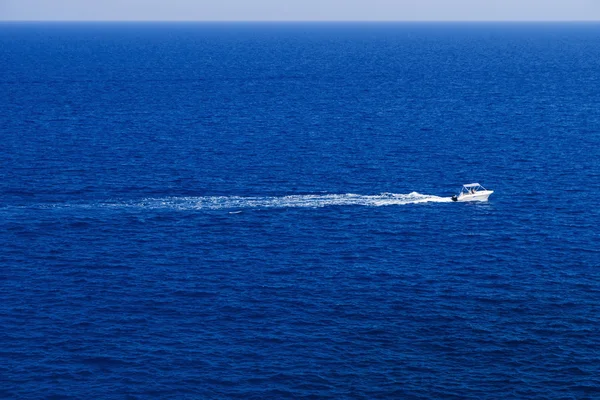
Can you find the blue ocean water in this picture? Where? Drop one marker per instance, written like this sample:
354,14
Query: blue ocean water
261,211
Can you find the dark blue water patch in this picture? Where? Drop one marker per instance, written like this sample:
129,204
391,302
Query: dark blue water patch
263,211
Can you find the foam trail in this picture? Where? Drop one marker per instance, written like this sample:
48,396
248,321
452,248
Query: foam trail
306,201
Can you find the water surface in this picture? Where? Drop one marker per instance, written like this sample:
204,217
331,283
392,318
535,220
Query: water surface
262,211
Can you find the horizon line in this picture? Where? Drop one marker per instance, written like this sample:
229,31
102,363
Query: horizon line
306,21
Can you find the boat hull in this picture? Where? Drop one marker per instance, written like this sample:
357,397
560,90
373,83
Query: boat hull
478,196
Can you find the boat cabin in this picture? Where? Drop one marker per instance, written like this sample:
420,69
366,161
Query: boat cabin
471,188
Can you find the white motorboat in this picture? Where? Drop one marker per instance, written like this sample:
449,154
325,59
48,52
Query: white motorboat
472,192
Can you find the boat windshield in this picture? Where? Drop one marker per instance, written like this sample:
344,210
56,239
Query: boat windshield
472,188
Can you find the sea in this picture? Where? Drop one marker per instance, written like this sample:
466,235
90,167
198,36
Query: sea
262,211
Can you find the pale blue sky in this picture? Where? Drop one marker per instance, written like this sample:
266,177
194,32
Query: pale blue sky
301,10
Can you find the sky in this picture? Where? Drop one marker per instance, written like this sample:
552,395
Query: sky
300,10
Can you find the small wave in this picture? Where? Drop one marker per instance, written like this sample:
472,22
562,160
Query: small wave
293,201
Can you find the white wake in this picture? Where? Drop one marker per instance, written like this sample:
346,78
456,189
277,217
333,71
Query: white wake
306,201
